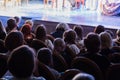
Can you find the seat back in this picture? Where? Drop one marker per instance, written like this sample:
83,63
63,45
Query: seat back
45,72
59,63
113,72
50,38
88,66
70,55
115,58
3,65
69,74
37,44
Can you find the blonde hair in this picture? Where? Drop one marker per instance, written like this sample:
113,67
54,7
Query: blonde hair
106,40
30,22
65,26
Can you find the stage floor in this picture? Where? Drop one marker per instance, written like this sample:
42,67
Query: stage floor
82,16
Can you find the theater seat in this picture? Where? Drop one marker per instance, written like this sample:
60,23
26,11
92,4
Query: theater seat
88,66
59,63
3,64
113,72
69,74
45,72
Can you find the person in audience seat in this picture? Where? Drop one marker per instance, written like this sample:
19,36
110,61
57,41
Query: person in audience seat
11,25
21,64
44,56
117,39
79,40
92,44
60,48
98,29
60,57
31,23
41,34
17,19
106,44
69,37
60,28
13,40
28,35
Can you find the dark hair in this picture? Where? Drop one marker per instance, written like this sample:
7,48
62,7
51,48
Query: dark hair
21,62
40,31
110,32
13,40
3,49
79,31
16,18
69,36
44,55
92,42
58,42
11,24
26,29
37,44
99,29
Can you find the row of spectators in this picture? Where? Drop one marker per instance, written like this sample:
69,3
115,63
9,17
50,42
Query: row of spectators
36,55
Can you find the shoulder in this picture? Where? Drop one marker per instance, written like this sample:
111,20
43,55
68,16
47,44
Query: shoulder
38,78
8,78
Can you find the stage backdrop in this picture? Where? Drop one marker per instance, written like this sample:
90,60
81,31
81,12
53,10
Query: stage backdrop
110,7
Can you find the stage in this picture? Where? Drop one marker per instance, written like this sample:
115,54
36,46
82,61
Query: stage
35,10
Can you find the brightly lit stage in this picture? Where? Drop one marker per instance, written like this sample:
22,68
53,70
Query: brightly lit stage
37,11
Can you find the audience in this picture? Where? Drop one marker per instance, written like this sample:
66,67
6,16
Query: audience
28,48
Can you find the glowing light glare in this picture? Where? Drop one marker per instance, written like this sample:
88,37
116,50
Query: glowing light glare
92,4
11,12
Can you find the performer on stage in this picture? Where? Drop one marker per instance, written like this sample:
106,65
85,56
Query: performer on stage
91,4
110,7
77,3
